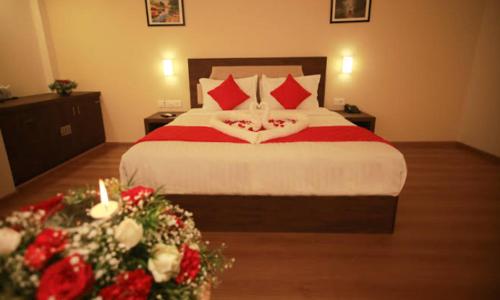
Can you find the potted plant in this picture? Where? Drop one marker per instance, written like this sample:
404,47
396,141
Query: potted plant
63,87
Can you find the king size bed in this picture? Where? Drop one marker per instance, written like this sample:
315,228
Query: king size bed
326,176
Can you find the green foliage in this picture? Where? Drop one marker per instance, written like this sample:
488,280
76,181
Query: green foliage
137,257
74,212
174,5
150,218
63,87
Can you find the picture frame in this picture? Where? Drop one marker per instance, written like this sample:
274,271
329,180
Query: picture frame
165,12
348,11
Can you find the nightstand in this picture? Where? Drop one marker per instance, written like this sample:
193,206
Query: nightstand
156,120
362,119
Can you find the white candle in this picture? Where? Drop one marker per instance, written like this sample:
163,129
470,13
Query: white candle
106,208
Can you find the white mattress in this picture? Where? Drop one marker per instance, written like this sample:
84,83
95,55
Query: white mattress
300,168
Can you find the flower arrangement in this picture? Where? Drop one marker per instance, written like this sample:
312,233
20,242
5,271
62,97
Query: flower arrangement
63,87
146,248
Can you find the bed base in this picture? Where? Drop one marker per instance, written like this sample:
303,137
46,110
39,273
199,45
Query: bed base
339,214
363,214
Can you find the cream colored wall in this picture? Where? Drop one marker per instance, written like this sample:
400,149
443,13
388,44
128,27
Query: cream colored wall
480,126
412,60
20,57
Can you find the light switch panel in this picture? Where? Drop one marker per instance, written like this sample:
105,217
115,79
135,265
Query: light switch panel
173,103
160,103
338,101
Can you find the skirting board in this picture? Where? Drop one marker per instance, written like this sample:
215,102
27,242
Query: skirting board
235,213
454,144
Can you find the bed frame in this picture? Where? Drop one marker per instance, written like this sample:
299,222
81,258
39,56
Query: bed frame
348,214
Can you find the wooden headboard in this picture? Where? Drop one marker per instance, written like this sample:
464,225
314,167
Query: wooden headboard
202,68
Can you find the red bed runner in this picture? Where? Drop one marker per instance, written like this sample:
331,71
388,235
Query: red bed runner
310,134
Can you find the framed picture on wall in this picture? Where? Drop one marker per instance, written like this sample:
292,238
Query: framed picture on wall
165,12
344,11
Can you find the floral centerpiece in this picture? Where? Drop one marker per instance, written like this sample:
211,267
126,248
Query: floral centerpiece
63,87
132,245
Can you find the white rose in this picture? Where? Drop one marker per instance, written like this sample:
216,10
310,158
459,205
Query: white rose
164,262
9,240
129,233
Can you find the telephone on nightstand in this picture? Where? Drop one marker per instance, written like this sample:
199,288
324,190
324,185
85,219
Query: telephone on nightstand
352,109
167,115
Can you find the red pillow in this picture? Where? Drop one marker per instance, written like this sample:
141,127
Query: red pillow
290,93
228,94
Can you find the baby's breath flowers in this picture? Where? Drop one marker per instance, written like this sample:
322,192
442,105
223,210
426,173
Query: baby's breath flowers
149,248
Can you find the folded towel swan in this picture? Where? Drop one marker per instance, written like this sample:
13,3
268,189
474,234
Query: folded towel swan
259,124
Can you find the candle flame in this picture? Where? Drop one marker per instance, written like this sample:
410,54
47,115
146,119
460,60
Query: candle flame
103,193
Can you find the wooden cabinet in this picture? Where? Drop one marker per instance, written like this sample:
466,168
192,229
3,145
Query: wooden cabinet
43,131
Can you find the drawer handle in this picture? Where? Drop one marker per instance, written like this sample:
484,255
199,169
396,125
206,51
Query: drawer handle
78,108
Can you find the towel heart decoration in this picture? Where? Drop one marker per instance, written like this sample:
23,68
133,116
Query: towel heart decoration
259,124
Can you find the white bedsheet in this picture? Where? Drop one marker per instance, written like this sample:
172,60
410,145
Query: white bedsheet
300,168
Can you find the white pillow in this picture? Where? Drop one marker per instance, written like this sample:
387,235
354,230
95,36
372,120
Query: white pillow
310,83
247,85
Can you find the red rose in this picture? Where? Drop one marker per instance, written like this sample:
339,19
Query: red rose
136,194
68,279
179,222
132,285
36,257
190,264
46,245
49,206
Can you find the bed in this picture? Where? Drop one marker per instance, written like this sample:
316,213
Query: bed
300,186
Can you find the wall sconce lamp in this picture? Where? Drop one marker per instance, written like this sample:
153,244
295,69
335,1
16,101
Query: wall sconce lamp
168,67
347,64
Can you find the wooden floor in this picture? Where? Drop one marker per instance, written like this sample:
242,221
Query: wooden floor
446,244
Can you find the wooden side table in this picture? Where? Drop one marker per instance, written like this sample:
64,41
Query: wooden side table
156,120
362,119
